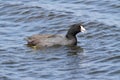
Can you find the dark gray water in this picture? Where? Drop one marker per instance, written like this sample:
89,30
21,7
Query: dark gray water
97,56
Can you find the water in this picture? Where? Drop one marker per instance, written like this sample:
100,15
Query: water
97,56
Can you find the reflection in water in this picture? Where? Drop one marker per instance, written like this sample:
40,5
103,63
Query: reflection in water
72,63
67,61
74,50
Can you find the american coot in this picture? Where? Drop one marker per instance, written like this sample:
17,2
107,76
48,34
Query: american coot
47,40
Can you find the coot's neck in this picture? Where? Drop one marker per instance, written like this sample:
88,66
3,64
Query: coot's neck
72,36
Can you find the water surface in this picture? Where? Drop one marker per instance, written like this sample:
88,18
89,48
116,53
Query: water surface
97,56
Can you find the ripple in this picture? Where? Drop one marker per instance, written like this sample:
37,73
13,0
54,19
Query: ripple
111,59
116,72
95,72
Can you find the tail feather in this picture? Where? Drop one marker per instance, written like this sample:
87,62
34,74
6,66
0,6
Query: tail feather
30,41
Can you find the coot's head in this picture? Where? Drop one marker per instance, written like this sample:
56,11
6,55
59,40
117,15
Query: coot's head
74,29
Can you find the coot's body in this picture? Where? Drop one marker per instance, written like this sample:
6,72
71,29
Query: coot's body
47,40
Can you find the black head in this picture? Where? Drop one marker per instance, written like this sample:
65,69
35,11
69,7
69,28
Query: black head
74,29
